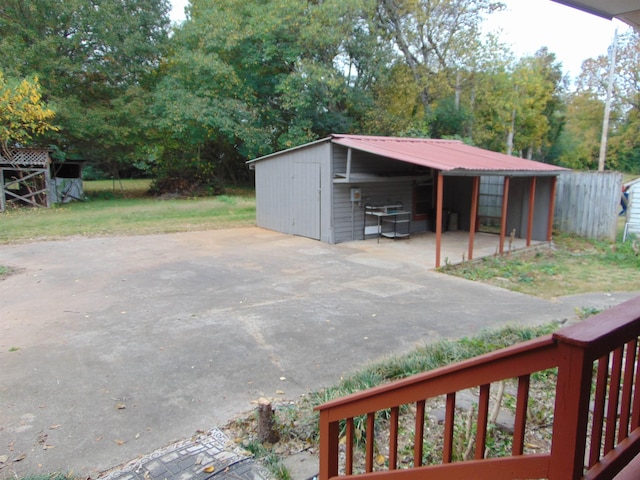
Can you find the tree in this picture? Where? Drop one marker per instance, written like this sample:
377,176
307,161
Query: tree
96,61
518,106
585,114
437,39
23,113
272,75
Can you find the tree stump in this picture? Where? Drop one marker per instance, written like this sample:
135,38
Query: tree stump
267,432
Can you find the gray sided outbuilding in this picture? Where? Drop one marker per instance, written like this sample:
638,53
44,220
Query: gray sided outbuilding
341,188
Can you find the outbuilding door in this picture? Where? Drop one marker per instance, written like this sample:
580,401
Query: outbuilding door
306,200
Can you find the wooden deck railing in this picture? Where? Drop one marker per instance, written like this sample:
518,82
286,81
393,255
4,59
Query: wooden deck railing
594,426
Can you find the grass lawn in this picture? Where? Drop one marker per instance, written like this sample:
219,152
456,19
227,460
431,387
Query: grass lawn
570,266
109,211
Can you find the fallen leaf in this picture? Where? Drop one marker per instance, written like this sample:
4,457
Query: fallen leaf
53,427
280,392
120,442
19,458
4,458
208,469
121,406
137,436
380,460
48,447
147,475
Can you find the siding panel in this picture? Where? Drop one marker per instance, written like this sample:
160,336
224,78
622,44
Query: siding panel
633,209
278,193
349,218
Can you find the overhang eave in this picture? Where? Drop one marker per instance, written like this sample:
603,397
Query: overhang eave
500,173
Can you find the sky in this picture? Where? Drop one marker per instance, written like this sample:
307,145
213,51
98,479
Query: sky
527,25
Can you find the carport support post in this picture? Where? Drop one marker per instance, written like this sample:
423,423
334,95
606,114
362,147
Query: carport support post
474,214
503,219
532,201
439,195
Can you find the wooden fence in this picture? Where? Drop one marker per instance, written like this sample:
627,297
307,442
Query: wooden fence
587,204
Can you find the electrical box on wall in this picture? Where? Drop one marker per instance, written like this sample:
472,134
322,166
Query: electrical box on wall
356,195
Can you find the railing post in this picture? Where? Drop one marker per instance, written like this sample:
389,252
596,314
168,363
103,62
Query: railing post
571,413
328,446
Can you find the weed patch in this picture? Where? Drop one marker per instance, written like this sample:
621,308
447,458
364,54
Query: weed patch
569,266
5,272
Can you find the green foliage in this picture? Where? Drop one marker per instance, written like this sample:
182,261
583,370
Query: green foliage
586,107
519,106
586,312
96,63
506,267
266,78
451,120
269,459
429,357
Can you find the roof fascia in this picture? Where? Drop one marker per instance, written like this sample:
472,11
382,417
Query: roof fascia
585,8
502,173
299,147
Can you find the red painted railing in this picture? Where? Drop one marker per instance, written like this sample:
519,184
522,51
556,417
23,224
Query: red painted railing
594,426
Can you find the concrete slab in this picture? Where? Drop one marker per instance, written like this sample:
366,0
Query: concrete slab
302,466
113,347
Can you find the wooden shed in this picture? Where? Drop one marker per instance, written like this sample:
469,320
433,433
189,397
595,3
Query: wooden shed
24,177
353,187
632,221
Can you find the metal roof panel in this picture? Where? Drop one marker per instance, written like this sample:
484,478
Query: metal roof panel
445,155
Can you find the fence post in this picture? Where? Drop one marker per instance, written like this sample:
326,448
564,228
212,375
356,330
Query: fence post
571,413
328,447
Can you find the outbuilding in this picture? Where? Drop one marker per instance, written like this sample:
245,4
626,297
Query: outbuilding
353,187
632,221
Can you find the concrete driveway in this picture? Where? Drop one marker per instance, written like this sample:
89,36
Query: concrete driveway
113,347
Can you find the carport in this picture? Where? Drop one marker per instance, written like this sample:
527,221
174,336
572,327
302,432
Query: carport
339,188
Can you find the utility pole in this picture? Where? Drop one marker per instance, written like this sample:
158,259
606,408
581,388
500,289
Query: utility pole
607,105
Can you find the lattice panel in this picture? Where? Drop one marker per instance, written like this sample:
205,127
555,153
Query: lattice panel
26,157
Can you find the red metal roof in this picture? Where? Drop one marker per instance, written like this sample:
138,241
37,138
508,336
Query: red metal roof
451,156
